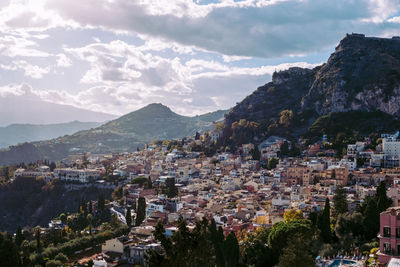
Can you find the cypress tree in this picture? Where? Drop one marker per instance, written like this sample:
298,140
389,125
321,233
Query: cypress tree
128,216
382,201
101,202
231,250
19,237
324,222
38,245
371,219
141,211
340,201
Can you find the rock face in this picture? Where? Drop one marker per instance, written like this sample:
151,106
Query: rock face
363,74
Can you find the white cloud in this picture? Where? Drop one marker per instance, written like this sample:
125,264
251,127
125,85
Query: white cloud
13,46
32,71
63,61
244,28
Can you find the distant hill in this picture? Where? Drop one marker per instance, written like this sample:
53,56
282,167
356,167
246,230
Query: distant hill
126,133
363,74
19,133
28,108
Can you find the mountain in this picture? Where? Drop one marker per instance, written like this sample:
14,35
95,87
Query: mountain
126,133
18,133
24,107
363,74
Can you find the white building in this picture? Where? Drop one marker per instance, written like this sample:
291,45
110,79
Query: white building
77,175
391,149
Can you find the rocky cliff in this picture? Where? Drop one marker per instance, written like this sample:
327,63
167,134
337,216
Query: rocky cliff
363,74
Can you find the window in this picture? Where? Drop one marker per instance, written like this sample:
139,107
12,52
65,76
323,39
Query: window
386,231
398,249
398,232
387,248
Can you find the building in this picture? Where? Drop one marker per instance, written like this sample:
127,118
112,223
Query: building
46,175
77,175
389,235
391,149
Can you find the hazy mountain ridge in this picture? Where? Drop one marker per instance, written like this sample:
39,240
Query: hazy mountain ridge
126,133
363,74
18,133
28,108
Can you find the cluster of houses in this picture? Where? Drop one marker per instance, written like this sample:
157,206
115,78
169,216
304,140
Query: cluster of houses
232,188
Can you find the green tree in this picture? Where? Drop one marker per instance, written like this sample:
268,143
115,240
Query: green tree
8,252
255,153
286,117
128,216
254,248
38,239
349,230
382,201
324,222
63,218
296,254
19,236
61,257
231,250
284,149
89,218
101,202
172,191
340,205
282,231
371,219
141,211
272,162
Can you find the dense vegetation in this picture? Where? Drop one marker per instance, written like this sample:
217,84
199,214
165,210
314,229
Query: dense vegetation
31,202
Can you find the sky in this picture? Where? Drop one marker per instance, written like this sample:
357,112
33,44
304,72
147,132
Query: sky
116,56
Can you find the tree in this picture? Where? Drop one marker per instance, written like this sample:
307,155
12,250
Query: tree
101,202
340,205
117,194
141,211
197,136
63,218
61,257
349,230
128,216
296,254
8,252
254,249
89,218
286,117
185,247
382,201
284,149
172,191
52,166
255,153
37,236
272,162
371,219
231,250
324,222
292,215
19,237
281,232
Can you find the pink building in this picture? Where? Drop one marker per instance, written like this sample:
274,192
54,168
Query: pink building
389,235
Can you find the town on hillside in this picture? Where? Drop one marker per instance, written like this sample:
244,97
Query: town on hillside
258,199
